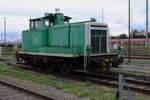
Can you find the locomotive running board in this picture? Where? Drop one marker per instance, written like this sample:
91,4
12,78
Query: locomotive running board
50,54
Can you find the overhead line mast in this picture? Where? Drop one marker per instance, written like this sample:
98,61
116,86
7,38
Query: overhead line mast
146,22
129,49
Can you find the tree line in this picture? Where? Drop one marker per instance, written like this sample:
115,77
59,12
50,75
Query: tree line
134,34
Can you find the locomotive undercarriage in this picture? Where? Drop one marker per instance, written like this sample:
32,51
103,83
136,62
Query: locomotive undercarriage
63,65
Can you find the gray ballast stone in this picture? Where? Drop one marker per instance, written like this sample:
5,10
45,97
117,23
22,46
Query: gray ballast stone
48,91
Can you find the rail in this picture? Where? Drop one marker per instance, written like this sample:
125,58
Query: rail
138,57
112,80
25,90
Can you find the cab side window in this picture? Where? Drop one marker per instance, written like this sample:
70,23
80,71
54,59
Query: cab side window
34,24
47,23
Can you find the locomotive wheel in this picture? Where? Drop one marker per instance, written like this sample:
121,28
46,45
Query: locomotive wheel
97,67
115,64
92,66
64,70
103,66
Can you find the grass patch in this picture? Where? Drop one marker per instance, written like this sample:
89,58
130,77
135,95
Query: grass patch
95,92
137,49
137,61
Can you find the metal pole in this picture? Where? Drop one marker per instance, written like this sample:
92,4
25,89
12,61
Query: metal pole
132,26
1,36
102,14
5,31
146,22
120,87
129,53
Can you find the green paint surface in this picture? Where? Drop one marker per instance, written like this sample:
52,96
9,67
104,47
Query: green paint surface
63,39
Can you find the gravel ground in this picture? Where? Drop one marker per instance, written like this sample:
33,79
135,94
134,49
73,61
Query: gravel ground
138,68
7,93
143,66
136,71
45,90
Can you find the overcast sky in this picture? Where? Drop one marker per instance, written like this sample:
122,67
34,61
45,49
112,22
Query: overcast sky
115,12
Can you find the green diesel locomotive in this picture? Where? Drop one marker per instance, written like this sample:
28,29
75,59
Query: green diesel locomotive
53,43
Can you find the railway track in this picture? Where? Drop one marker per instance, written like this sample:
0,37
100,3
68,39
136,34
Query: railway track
10,91
112,80
138,57
139,86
